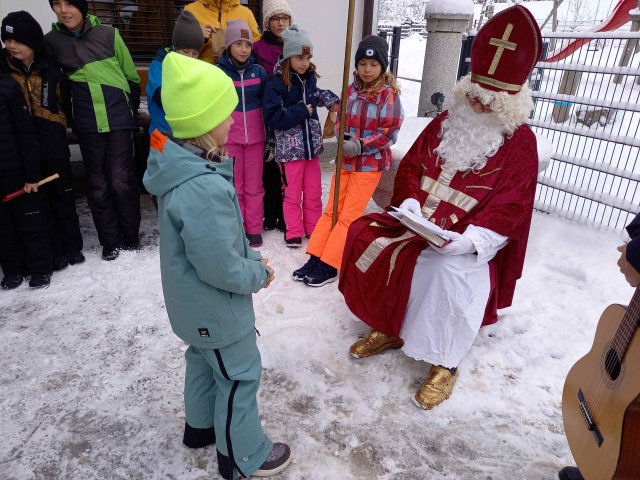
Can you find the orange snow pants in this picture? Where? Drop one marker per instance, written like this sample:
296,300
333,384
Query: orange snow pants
356,189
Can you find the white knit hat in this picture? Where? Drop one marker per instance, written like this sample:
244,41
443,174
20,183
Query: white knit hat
271,8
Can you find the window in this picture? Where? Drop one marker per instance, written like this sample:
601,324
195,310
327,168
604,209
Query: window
147,25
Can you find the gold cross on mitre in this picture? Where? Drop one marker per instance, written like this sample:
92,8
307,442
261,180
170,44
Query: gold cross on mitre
501,43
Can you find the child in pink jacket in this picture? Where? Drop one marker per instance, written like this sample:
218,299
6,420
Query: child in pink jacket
247,135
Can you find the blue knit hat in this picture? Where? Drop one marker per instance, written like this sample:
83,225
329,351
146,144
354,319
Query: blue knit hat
296,42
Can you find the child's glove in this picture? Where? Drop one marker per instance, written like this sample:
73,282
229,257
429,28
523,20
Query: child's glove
459,245
269,150
352,148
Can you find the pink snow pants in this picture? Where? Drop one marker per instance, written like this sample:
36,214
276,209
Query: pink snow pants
302,204
247,178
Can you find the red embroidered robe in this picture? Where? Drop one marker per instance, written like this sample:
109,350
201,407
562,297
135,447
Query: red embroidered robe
380,254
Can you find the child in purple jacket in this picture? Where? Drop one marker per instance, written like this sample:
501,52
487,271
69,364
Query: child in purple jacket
277,16
247,135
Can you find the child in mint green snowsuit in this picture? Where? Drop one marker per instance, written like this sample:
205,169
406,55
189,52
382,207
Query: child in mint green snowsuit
209,272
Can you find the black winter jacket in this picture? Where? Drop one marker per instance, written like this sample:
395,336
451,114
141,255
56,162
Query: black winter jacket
18,141
633,247
46,92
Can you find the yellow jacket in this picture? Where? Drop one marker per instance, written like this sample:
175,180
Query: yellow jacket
217,13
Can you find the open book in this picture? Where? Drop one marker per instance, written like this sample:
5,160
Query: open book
426,229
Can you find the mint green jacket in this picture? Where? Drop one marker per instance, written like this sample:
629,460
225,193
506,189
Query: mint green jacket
209,272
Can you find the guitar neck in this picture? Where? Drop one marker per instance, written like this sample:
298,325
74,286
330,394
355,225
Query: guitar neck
628,326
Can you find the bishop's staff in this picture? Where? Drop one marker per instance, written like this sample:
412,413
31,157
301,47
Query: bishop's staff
343,110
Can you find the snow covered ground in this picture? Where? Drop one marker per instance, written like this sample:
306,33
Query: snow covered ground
91,374
410,66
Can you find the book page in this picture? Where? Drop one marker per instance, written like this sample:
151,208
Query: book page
420,220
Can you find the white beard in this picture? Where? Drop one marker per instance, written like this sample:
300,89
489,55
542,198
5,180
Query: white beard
468,138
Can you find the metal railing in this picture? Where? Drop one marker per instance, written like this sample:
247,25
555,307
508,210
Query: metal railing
393,40
588,105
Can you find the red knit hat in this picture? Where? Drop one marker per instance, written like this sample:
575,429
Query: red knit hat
505,50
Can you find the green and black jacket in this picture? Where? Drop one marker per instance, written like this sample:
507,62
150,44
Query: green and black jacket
104,83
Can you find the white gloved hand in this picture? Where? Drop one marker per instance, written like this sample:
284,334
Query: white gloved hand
459,245
412,205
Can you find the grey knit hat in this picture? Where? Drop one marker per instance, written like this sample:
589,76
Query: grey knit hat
296,42
374,48
187,34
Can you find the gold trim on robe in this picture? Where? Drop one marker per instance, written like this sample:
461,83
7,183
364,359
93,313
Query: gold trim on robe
394,256
483,187
376,247
443,192
432,201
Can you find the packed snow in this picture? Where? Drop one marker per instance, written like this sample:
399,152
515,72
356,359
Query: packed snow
92,376
456,7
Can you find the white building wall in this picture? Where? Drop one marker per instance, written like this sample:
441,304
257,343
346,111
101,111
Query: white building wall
326,22
40,10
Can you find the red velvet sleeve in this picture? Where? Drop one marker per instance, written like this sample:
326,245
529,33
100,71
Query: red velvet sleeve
410,170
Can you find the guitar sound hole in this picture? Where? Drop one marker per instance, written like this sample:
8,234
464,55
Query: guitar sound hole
612,365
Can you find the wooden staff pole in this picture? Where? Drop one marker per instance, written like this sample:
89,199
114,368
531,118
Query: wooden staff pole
343,110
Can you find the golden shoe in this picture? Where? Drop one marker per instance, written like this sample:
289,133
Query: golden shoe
436,388
374,343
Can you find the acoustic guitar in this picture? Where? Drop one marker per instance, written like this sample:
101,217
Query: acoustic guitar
601,399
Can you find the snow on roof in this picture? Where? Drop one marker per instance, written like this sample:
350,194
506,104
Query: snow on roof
459,7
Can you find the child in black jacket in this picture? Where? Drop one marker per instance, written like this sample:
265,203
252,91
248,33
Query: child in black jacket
45,91
24,243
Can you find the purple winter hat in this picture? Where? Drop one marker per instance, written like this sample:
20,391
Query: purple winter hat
237,30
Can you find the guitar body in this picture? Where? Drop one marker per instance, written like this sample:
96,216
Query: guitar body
612,403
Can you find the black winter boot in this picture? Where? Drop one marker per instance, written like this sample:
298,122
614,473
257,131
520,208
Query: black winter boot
198,437
269,223
131,244
110,253
321,275
75,258
9,282
306,269
295,242
570,473
60,263
255,240
40,280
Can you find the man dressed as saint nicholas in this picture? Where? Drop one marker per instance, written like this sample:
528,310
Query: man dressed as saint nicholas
472,171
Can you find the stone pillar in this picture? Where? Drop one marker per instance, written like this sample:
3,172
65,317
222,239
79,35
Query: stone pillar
445,26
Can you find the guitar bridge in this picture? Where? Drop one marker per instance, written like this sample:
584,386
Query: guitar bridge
588,418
